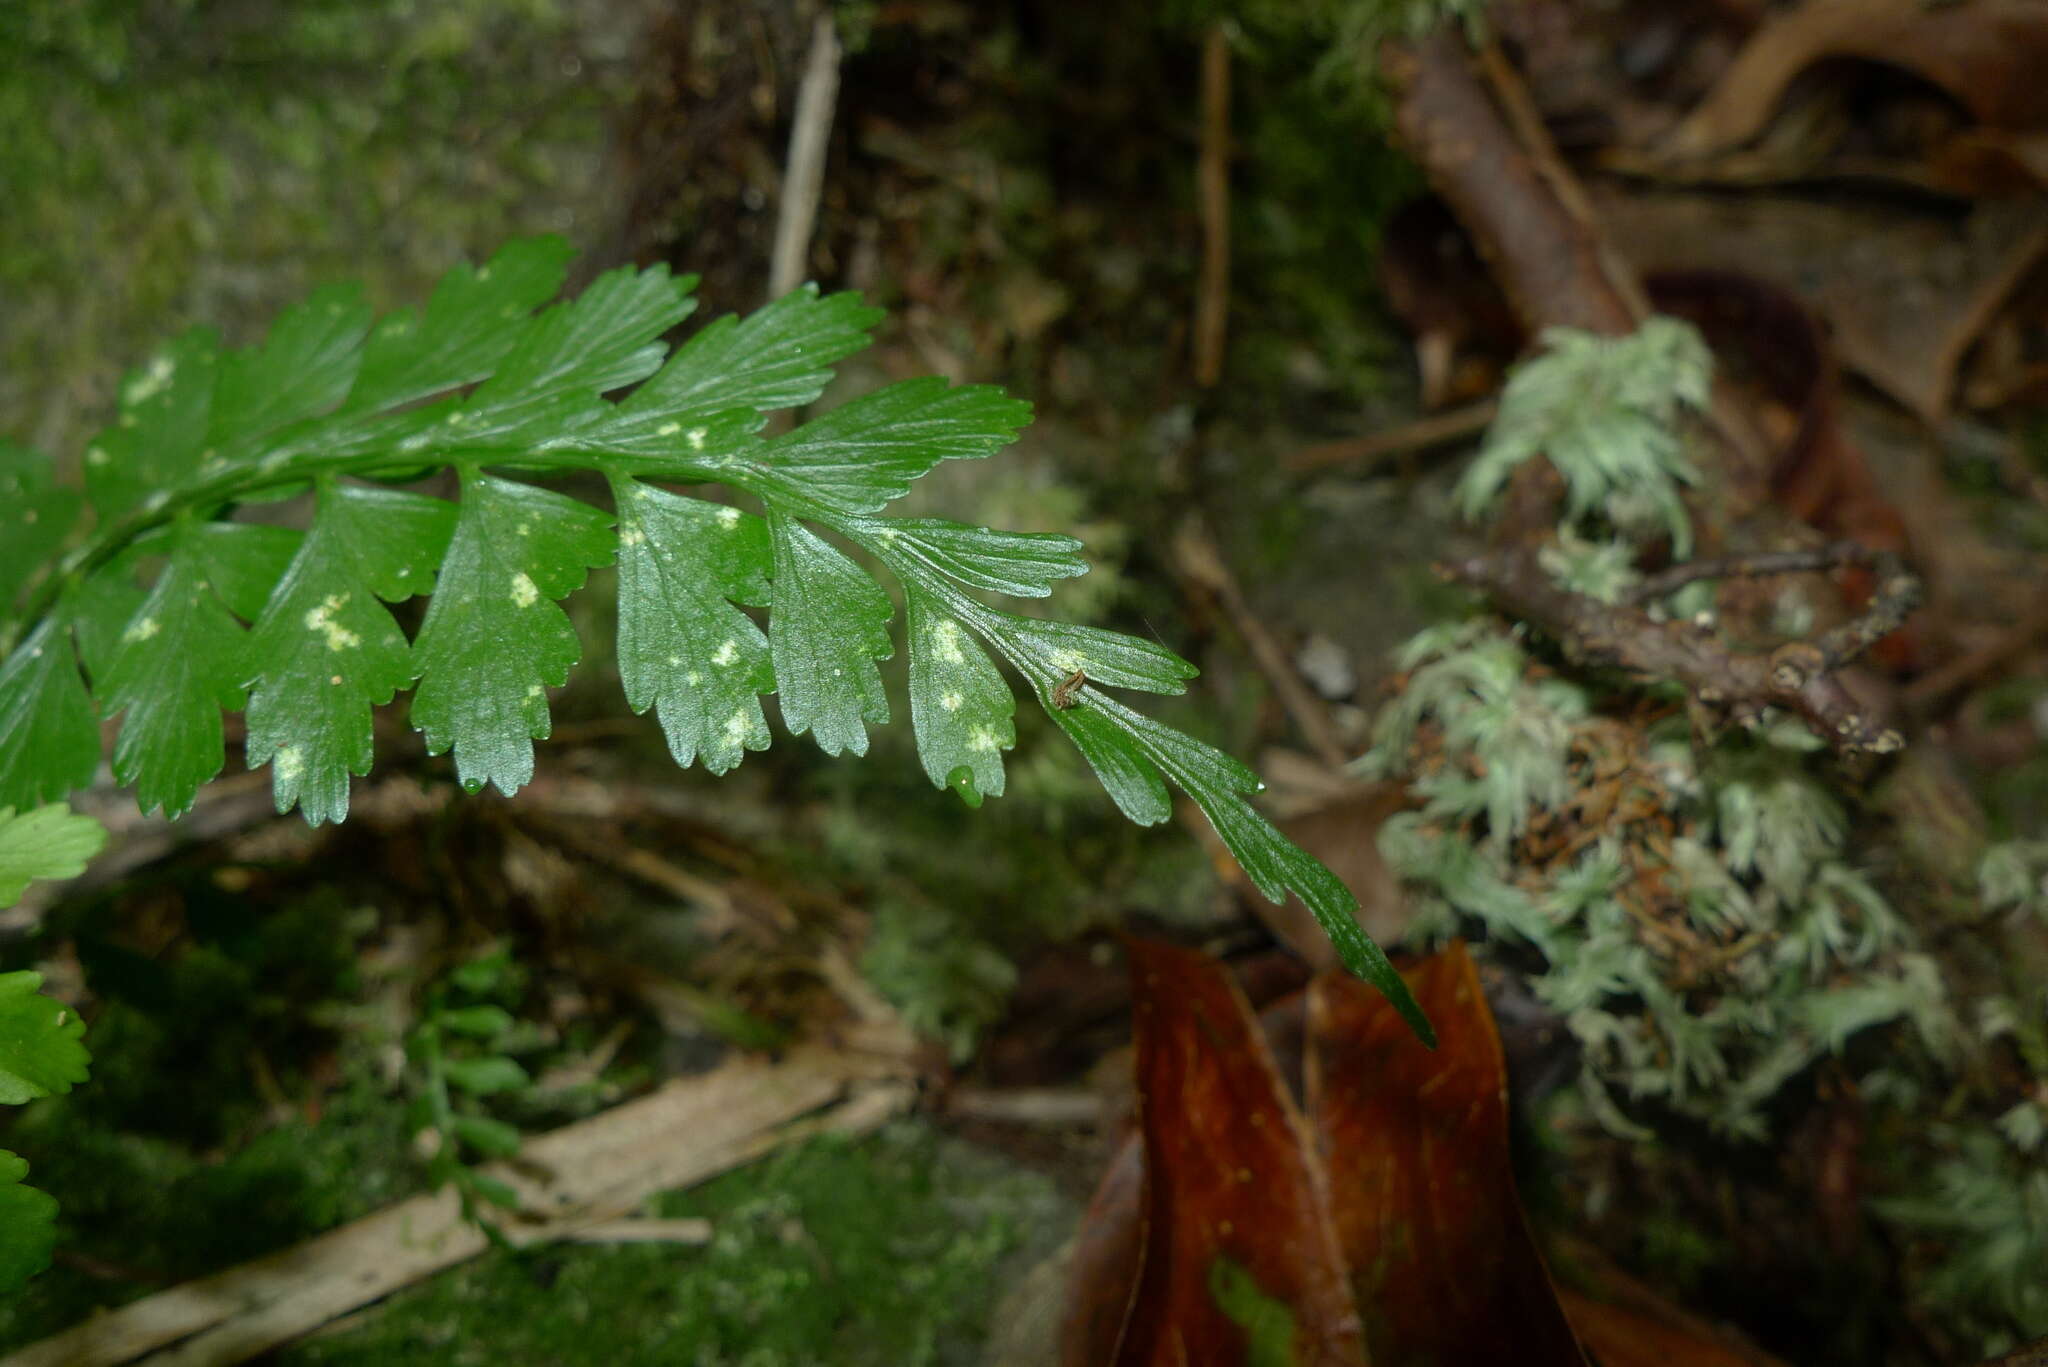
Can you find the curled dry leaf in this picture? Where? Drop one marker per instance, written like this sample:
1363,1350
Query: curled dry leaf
1376,1222
1229,1173
1417,1141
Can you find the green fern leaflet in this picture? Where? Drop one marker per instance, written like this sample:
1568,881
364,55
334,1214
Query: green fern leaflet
176,611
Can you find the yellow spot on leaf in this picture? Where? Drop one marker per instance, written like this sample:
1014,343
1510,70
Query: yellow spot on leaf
151,382
525,593
321,621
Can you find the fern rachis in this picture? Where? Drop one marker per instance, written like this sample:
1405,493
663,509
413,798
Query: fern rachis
177,611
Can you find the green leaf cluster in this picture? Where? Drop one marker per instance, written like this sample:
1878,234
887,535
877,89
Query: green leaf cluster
1605,411
40,1055
40,1051
176,605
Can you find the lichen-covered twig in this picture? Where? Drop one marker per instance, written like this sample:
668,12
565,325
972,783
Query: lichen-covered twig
1800,677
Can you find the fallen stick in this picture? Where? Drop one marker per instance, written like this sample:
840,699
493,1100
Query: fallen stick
803,178
1212,305
1376,448
569,1180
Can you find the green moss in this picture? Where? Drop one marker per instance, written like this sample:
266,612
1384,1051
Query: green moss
886,1250
138,1212
165,169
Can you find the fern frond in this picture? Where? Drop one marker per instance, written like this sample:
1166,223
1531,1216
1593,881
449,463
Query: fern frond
176,611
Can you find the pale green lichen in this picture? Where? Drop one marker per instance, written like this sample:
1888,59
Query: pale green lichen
1605,411
1705,951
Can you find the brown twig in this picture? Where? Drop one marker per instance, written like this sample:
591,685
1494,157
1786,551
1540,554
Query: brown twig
803,178
1512,95
1925,692
1755,566
1799,676
1438,429
1548,263
1196,555
1212,306
1492,160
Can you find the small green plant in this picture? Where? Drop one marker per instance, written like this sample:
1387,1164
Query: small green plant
459,1048
1983,1203
41,1053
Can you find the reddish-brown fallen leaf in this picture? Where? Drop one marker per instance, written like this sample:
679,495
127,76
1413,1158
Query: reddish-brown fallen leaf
1416,1145
1229,1175
1108,1251
1905,293
1630,1324
1623,1337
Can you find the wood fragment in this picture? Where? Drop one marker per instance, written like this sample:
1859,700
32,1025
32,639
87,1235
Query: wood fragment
583,1175
641,1230
803,178
1201,563
1801,677
1212,305
1378,448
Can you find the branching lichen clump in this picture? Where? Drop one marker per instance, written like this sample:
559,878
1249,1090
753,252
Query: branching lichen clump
1694,908
1703,930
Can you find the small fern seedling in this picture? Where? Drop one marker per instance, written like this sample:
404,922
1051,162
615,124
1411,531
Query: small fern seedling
178,610
459,1050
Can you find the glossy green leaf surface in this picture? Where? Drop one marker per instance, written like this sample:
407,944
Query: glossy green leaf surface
40,1052
36,514
180,605
49,739
684,649
830,625
960,706
45,842
494,640
327,651
29,1218
868,450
